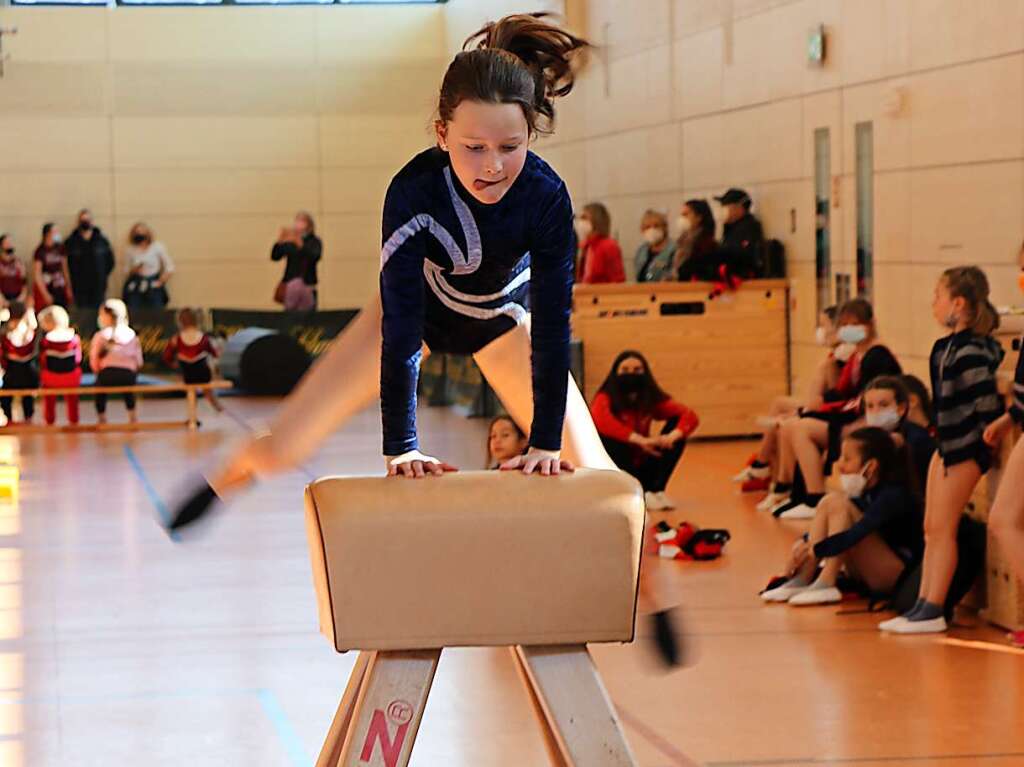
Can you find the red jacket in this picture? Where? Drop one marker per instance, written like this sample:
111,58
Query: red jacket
600,261
619,427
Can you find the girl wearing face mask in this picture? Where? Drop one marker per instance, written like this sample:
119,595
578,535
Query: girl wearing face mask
812,440
963,367
150,269
623,408
873,527
697,254
756,476
1006,517
654,258
600,258
886,404
52,283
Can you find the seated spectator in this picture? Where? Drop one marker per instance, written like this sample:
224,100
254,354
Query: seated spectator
90,262
115,356
874,527
505,440
301,250
150,268
920,403
654,259
52,280
812,440
623,409
20,350
697,255
13,277
756,476
742,235
60,361
600,258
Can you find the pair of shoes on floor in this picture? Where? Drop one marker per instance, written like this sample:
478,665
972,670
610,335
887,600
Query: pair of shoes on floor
901,625
658,501
803,596
773,501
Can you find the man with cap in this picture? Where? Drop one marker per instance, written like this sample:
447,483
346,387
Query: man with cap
742,236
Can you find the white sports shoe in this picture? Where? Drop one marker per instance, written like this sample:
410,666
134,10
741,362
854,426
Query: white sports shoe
665,501
772,501
818,596
803,511
782,593
933,626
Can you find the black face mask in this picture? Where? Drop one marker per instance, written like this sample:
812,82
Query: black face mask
138,239
631,383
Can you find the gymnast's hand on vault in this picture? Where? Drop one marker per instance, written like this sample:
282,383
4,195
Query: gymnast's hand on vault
544,462
416,464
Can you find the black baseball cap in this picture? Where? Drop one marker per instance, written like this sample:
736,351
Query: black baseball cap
734,196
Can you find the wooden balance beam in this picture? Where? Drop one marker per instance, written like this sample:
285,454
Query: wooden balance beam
404,568
191,406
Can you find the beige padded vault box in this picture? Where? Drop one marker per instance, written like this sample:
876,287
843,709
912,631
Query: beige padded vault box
475,559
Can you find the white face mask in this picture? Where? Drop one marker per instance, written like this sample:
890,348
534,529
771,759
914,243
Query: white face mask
852,334
853,484
684,224
843,352
888,419
583,228
653,235
821,337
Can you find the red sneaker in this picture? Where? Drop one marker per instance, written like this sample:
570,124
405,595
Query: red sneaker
756,485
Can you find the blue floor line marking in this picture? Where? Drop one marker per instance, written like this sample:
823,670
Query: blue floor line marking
154,497
285,732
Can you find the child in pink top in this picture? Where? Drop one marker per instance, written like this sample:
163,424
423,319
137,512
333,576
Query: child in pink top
115,355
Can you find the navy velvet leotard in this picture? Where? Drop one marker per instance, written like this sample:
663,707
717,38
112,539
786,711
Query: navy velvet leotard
457,273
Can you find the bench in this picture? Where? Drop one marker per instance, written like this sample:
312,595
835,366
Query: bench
191,406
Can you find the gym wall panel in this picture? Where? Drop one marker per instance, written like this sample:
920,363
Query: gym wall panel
698,80
944,32
367,34
42,37
967,214
355,190
876,39
255,34
372,141
213,88
892,133
216,142
50,88
969,113
58,144
52,195
215,192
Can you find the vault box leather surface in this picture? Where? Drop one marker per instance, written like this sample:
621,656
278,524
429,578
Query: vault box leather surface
475,559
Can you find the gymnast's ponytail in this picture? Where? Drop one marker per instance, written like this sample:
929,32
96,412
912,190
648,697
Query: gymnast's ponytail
521,59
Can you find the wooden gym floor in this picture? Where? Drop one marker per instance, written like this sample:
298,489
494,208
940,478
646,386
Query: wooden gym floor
118,647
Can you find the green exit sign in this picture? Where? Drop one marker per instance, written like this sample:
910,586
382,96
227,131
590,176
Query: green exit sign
816,46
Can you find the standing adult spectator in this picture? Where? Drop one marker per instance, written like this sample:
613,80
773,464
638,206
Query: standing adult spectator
150,267
301,249
600,258
90,261
13,277
742,235
655,257
52,280
697,253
